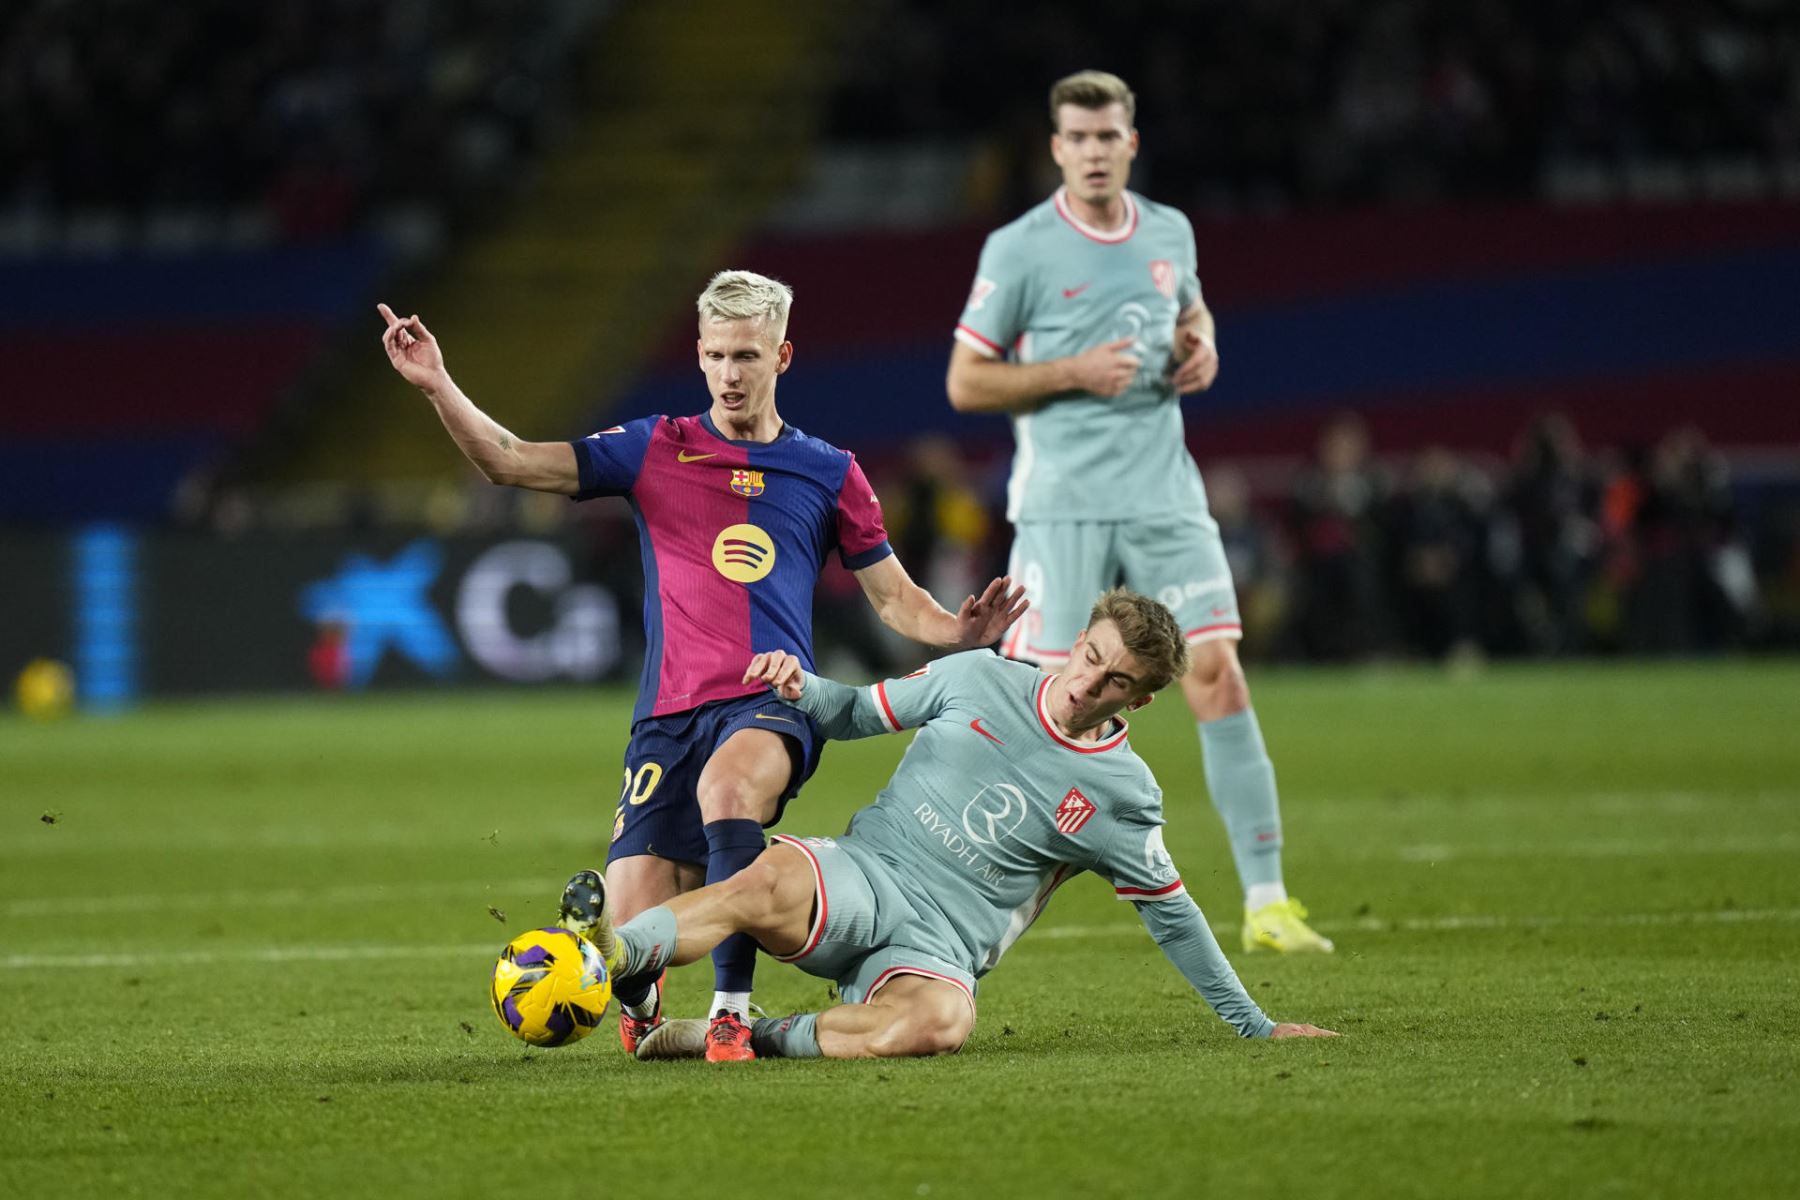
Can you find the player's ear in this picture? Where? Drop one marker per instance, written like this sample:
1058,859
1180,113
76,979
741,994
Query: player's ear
1140,702
784,357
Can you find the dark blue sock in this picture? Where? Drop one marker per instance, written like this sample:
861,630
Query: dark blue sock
732,845
633,990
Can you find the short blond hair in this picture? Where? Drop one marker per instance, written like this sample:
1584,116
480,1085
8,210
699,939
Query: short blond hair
1091,89
1149,632
747,296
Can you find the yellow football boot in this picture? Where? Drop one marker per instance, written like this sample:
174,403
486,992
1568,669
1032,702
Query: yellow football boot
1282,926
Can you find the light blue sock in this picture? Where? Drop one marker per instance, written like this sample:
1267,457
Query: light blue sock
1241,779
649,941
796,1036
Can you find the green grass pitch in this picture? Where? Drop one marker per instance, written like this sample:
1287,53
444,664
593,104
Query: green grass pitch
248,954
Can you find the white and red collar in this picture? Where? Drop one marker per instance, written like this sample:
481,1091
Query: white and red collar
1109,236
1061,739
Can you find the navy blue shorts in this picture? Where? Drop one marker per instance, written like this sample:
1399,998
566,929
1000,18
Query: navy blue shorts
659,806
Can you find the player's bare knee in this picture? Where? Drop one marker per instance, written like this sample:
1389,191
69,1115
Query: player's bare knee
1216,679
921,1035
732,799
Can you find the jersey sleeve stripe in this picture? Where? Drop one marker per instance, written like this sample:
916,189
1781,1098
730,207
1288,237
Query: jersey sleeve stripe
976,342
879,691
869,557
1208,633
1161,893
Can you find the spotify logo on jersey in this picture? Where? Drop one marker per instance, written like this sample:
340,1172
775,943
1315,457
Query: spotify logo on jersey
743,553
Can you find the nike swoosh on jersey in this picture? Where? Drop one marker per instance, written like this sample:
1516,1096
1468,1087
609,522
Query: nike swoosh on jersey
783,720
684,456
1071,293
976,726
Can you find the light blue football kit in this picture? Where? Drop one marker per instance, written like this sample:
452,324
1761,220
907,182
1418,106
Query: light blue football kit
990,811
1103,489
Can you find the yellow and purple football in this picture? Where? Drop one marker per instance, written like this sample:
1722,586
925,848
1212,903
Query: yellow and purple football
550,987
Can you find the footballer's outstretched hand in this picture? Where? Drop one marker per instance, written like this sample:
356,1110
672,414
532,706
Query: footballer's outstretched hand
981,620
412,350
1199,360
1288,1029
780,670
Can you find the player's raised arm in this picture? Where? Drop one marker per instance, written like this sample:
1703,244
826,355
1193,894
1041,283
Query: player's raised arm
909,610
496,453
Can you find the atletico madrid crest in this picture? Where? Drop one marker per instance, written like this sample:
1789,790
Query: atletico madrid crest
1074,812
1162,274
747,483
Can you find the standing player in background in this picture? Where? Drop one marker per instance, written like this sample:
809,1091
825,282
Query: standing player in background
1086,325
736,511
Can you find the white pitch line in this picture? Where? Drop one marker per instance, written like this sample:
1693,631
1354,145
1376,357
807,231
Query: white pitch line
1445,924
283,954
74,837
263,954
346,894
71,837
1768,843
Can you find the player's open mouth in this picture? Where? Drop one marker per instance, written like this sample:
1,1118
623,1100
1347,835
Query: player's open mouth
731,399
1097,178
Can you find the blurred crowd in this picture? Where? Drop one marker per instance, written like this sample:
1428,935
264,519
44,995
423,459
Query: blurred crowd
1251,105
1558,551
1436,555
310,116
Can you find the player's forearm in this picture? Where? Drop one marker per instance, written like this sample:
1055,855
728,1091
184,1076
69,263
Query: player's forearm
1198,319
1181,931
484,441
841,712
500,456
912,613
1003,387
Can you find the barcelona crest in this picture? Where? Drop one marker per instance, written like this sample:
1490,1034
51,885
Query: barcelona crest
746,482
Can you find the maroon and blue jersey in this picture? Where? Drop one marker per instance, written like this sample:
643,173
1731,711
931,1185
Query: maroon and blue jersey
733,537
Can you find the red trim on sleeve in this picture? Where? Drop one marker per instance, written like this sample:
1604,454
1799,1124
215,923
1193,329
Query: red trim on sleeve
996,347
881,695
1147,892
1212,628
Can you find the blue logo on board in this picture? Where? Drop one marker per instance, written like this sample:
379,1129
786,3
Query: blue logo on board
385,607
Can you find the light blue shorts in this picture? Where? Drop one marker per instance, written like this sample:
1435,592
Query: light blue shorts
864,930
1065,565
